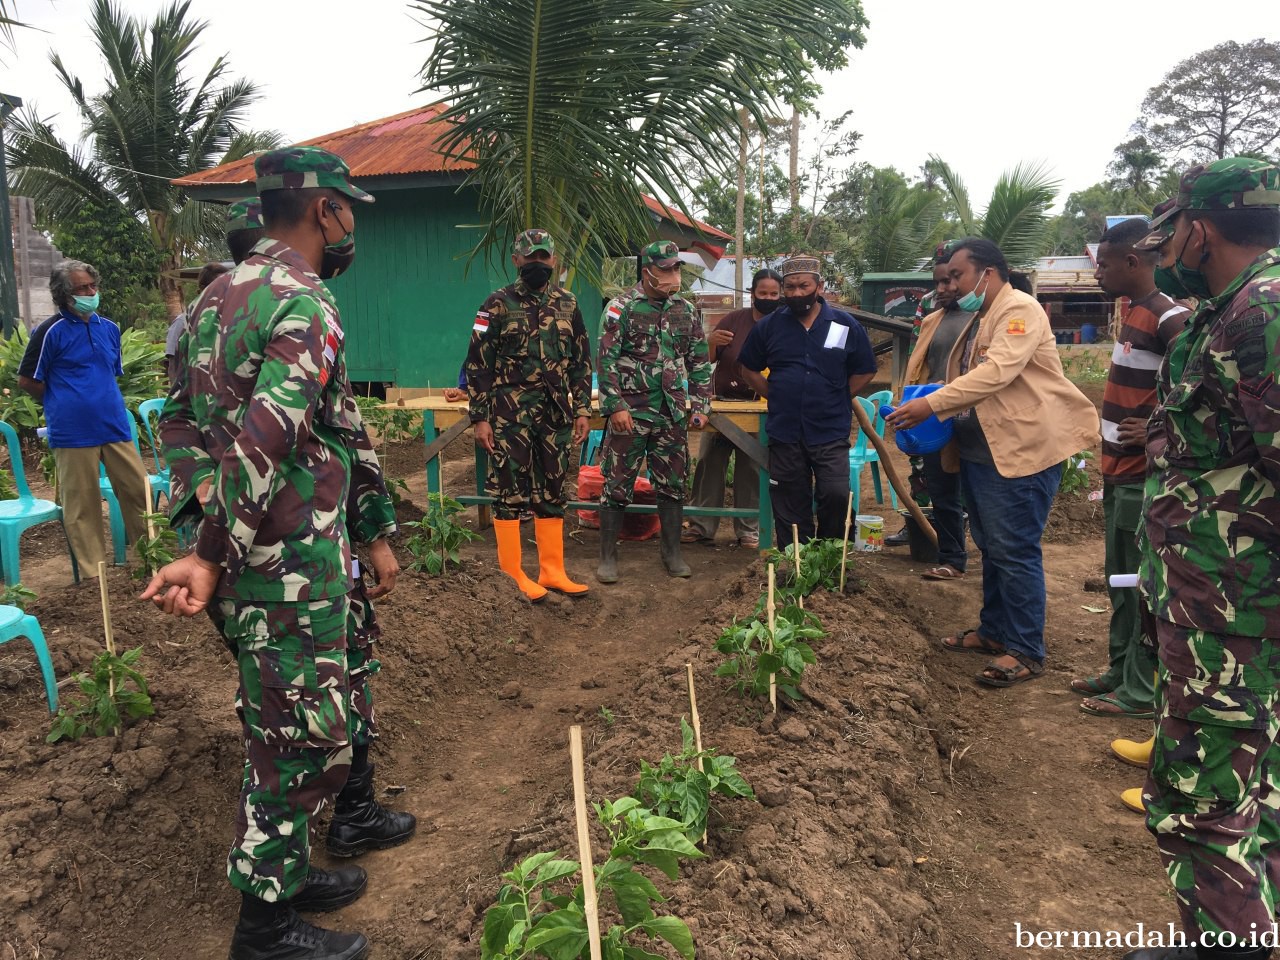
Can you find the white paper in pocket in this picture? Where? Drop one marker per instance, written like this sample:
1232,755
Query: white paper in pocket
837,335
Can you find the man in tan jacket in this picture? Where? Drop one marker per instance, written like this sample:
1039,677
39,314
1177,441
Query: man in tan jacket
1017,418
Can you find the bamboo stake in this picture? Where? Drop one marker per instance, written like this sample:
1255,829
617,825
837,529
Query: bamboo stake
146,510
106,624
773,621
904,492
795,550
844,555
584,842
696,722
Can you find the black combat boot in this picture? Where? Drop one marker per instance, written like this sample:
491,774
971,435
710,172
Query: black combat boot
671,517
327,890
274,931
610,527
360,823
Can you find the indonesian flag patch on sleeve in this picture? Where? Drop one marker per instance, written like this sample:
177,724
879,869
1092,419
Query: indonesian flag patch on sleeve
615,311
481,326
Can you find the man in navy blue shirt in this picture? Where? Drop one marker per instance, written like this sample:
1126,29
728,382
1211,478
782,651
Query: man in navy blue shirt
70,366
818,359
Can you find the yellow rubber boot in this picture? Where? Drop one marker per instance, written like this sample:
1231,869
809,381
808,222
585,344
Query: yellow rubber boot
550,534
1134,753
508,535
1132,798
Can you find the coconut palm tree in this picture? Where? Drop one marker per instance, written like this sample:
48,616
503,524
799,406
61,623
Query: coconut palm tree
900,224
570,109
154,123
1016,217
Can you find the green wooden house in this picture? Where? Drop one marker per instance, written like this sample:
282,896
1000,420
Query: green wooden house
409,302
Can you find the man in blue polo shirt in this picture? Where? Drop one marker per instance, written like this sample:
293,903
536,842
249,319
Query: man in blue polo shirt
818,359
70,366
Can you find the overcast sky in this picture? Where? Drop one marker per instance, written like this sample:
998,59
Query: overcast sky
984,84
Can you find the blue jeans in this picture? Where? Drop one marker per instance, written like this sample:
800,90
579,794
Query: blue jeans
1006,519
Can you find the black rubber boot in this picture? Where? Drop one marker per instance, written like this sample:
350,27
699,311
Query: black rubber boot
360,823
671,516
274,931
327,890
610,527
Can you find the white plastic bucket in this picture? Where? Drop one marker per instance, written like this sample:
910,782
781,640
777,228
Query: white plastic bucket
870,534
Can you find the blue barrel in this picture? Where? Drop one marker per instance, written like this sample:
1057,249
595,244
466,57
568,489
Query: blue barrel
928,436
1088,333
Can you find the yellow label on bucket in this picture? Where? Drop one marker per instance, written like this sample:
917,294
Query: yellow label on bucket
870,534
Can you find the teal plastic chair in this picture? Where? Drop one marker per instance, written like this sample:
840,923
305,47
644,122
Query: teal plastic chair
591,449
863,454
159,479
13,624
22,513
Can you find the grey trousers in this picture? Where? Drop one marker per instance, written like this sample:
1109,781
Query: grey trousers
709,484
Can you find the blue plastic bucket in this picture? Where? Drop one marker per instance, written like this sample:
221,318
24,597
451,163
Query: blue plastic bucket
1088,333
929,436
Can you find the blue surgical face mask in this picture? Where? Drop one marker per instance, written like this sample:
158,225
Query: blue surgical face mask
972,301
86,305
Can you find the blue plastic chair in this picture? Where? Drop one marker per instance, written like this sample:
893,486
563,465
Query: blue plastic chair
159,479
591,449
863,454
14,623
26,511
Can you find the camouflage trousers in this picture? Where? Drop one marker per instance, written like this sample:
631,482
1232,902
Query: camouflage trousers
529,463
662,443
362,632
294,706
1213,790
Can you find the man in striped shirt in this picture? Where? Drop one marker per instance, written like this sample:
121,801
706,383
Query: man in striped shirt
1126,688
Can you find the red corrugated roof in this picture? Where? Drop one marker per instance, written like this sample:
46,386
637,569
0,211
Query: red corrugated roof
402,144
405,143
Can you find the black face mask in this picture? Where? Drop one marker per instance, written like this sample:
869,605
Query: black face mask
800,306
535,275
765,306
337,256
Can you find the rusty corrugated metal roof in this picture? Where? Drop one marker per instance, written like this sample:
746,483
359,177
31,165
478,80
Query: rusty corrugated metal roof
671,213
404,143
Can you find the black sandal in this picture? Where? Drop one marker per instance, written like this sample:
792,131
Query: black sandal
1009,676
984,646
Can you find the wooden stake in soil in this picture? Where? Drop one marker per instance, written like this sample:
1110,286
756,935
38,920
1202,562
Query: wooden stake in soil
584,841
695,722
844,554
106,625
151,527
795,550
904,492
773,622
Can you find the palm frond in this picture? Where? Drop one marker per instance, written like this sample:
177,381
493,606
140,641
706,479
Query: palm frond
1016,219
57,177
958,193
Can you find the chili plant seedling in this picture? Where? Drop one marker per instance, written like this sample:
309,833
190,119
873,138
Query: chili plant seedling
436,544
157,550
16,595
819,567
107,701
676,788
751,662
537,916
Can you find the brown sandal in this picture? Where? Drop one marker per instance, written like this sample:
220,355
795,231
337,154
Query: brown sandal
944,572
983,646
1011,676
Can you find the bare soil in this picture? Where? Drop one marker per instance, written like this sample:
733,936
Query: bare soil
903,810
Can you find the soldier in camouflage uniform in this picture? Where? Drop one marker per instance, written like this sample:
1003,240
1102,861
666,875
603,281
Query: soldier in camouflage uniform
1211,558
529,384
267,413
651,343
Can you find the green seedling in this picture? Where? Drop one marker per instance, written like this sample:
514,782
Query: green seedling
439,537
115,692
676,788
156,550
16,595
751,662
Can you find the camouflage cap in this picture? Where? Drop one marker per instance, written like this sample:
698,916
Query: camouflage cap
244,215
304,168
661,253
533,239
1156,238
801,264
1229,184
943,250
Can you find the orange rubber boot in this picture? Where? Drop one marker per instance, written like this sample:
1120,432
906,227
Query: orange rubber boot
550,534
508,535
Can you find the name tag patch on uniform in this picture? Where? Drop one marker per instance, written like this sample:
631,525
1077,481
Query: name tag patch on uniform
1017,326
482,323
837,336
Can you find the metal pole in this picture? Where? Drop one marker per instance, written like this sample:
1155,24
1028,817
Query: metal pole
8,279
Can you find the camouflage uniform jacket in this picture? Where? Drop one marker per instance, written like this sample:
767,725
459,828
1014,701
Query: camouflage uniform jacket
647,350
1211,559
265,409
529,347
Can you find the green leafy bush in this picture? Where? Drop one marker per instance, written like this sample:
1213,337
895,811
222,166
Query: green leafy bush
105,709
390,424
16,595
1075,473
751,662
819,567
676,788
439,536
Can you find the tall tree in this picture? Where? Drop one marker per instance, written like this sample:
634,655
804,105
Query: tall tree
1136,166
570,109
151,125
1219,103
1016,217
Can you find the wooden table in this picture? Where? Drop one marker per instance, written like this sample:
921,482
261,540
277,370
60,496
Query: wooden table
742,421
